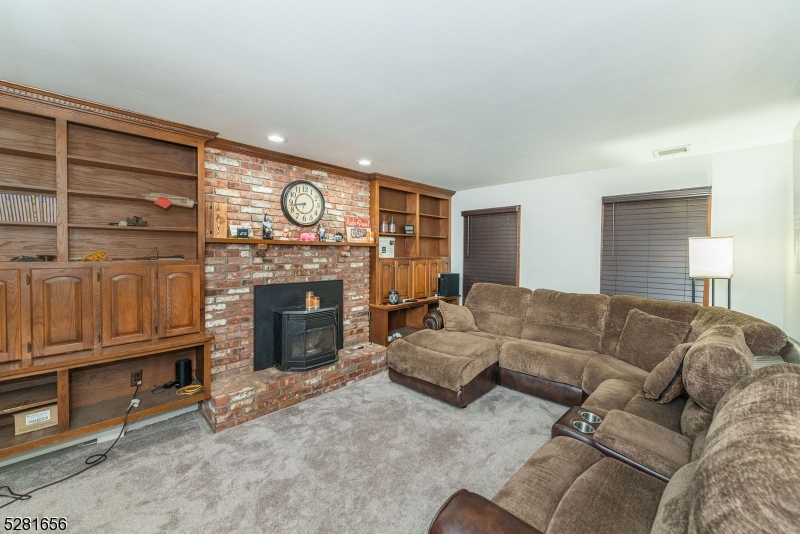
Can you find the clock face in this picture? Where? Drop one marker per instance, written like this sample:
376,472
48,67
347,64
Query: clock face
302,203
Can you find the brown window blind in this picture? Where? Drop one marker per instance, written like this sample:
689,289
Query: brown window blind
646,243
491,246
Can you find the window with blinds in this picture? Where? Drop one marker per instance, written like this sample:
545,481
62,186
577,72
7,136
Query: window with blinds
646,243
491,246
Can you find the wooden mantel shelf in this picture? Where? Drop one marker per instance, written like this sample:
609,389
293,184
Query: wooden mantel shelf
254,241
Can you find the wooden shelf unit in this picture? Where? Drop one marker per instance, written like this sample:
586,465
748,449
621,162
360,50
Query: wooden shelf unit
405,318
418,257
71,332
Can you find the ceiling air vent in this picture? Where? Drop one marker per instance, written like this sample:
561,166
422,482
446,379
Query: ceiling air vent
674,151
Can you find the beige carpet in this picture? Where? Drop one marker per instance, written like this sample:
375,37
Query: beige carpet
373,457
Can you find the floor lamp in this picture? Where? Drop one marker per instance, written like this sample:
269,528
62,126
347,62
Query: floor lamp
711,258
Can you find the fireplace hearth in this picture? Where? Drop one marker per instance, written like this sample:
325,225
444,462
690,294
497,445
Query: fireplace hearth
306,338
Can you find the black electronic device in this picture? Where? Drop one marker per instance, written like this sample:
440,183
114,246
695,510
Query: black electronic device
183,372
449,284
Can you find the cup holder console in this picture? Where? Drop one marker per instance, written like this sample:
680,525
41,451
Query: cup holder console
590,417
583,426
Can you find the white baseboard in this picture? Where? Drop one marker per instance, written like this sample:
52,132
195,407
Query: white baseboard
108,434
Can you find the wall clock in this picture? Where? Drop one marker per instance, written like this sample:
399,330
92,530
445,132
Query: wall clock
302,203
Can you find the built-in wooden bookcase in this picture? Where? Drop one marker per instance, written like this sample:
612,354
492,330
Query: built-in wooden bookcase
72,331
418,257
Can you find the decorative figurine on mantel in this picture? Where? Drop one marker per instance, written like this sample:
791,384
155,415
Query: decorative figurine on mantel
321,232
266,227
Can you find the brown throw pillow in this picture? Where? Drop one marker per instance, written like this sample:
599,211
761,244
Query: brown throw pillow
457,318
646,340
665,383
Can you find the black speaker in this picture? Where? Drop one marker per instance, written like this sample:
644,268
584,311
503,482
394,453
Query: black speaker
448,284
183,372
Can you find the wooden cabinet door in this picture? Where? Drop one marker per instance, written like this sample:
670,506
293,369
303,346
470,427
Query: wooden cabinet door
434,268
9,315
61,310
419,269
403,278
126,292
179,300
386,279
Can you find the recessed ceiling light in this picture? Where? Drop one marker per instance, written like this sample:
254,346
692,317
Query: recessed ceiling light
364,162
275,138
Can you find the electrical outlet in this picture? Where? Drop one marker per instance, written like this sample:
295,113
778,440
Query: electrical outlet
136,378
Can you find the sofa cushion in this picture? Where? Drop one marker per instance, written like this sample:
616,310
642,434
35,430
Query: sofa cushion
447,359
573,320
667,415
609,497
673,510
698,445
761,337
694,419
665,383
714,363
499,309
602,367
543,360
749,470
457,318
621,305
647,340
645,442
753,377
494,337
533,492
612,394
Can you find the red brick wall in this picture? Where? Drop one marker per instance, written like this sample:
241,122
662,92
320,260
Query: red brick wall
251,187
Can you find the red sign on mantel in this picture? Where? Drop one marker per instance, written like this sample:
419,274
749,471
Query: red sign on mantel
356,229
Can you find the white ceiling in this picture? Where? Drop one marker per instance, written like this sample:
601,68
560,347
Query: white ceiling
457,93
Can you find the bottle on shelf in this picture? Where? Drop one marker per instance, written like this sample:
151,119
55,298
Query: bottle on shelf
392,227
384,225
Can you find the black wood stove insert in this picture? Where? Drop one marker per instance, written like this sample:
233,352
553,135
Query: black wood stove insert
306,338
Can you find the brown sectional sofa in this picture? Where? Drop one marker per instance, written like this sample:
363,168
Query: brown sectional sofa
594,353
742,478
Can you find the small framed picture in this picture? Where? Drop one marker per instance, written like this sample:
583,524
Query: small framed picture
409,229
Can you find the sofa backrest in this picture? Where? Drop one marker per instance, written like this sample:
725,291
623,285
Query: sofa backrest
499,309
620,305
572,320
747,473
761,336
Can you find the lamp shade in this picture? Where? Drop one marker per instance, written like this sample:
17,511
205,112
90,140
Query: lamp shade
710,257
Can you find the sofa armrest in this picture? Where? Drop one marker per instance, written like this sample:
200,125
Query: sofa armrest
433,320
469,513
644,442
791,351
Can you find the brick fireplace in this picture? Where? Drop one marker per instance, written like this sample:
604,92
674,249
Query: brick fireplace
251,185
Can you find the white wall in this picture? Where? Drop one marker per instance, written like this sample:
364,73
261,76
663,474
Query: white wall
792,300
561,220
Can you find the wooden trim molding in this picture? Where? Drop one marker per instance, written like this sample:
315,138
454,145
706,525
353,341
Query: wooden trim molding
67,103
414,187
280,157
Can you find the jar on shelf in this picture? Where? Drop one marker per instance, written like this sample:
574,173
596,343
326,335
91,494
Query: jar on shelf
392,227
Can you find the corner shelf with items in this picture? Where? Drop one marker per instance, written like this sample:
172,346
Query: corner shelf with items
418,259
71,331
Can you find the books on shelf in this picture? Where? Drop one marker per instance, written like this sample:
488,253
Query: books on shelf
17,207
